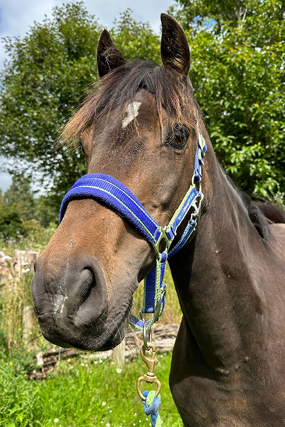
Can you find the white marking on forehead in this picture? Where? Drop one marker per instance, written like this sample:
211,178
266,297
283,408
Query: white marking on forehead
132,111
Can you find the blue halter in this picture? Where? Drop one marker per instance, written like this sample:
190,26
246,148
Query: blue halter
118,197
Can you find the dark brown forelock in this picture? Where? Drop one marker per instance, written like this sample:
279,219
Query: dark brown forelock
121,85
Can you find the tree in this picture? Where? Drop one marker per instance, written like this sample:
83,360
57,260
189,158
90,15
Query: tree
48,74
46,211
20,201
11,224
254,14
238,76
135,39
19,194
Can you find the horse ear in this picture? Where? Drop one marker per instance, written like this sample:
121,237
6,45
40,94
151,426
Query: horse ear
175,53
108,56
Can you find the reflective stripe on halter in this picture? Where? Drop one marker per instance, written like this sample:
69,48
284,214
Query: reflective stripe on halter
118,197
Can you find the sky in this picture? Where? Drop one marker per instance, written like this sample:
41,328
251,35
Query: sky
17,16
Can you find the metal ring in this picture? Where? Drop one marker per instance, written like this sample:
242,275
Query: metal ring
196,209
140,379
145,341
200,187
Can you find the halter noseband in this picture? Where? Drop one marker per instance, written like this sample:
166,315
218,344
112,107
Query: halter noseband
118,197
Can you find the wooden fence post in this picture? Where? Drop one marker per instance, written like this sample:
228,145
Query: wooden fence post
118,354
27,320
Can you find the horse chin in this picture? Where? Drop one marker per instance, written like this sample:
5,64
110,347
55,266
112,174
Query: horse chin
108,335
114,338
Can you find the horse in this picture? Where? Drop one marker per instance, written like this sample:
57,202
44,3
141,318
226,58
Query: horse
140,126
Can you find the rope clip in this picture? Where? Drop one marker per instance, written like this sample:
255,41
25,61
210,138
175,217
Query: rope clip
149,377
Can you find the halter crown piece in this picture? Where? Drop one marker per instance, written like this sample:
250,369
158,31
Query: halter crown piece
118,197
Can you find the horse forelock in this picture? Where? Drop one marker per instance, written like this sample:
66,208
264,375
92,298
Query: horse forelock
120,86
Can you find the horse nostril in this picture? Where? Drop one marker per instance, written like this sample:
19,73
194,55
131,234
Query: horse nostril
87,281
90,293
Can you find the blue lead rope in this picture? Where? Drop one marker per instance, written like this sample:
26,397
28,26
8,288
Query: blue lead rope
151,405
118,197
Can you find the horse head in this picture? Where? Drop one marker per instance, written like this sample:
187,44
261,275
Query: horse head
139,127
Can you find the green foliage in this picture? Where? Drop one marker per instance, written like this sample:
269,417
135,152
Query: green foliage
46,211
19,194
3,341
238,78
20,403
135,39
195,14
11,224
20,198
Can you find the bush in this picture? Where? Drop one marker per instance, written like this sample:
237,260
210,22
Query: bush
32,227
11,224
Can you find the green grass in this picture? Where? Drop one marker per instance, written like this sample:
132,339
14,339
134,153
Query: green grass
82,394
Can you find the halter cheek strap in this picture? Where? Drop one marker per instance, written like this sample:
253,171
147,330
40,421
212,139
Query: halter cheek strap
119,198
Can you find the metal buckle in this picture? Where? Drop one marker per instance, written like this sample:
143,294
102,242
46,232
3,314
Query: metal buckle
149,377
145,341
157,243
195,178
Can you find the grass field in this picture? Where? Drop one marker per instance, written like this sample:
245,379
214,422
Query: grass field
81,394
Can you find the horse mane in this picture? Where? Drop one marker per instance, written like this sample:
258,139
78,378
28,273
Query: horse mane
261,214
121,85
273,214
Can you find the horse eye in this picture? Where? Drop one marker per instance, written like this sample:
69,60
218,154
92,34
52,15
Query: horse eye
180,136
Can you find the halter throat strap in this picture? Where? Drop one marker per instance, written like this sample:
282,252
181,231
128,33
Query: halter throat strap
119,198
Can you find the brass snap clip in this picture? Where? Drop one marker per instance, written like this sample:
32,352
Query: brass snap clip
149,377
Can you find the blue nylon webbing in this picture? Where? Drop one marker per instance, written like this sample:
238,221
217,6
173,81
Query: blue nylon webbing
118,197
114,194
154,282
185,236
184,209
149,289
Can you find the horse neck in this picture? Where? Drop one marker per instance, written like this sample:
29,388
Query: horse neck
217,289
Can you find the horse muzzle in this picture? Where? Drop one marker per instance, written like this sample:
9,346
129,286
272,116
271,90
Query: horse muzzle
71,303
